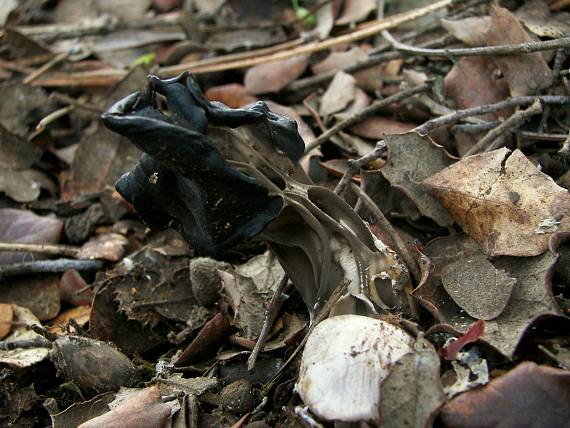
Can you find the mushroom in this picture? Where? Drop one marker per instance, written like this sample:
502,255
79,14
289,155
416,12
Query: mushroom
221,176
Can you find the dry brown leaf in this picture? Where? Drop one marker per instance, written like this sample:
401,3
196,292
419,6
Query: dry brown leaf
15,151
325,21
6,317
412,159
527,74
356,11
109,246
470,83
249,288
338,95
79,314
536,16
233,95
21,358
531,299
38,293
377,127
274,76
470,31
529,395
26,227
339,60
477,286
503,202
70,285
144,408
360,101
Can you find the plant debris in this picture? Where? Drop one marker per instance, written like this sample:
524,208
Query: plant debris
293,213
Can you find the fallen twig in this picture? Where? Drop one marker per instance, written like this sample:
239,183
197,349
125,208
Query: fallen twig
523,48
458,115
364,113
401,247
494,138
49,266
270,315
110,76
47,249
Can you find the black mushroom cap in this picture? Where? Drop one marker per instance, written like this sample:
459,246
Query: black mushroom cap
186,178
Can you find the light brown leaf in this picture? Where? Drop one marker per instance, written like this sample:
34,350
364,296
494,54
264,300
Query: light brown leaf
6,317
470,83
356,11
338,95
143,408
233,95
377,127
527,74
274,76
503,202
339,60
109,246
470,31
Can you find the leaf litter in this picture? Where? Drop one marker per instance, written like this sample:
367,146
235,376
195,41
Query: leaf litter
185,296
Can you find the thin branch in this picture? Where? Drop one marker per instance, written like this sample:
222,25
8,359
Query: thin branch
316,46
458,115
270,316
523,48
493,139
47,249
49,266
401,247
366,112
45,68
373,59
109,76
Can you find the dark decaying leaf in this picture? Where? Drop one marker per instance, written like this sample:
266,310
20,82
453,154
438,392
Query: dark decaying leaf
477,286
531,299
38,293
412,159
411,393
529,395
94,366
82,412
207,342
